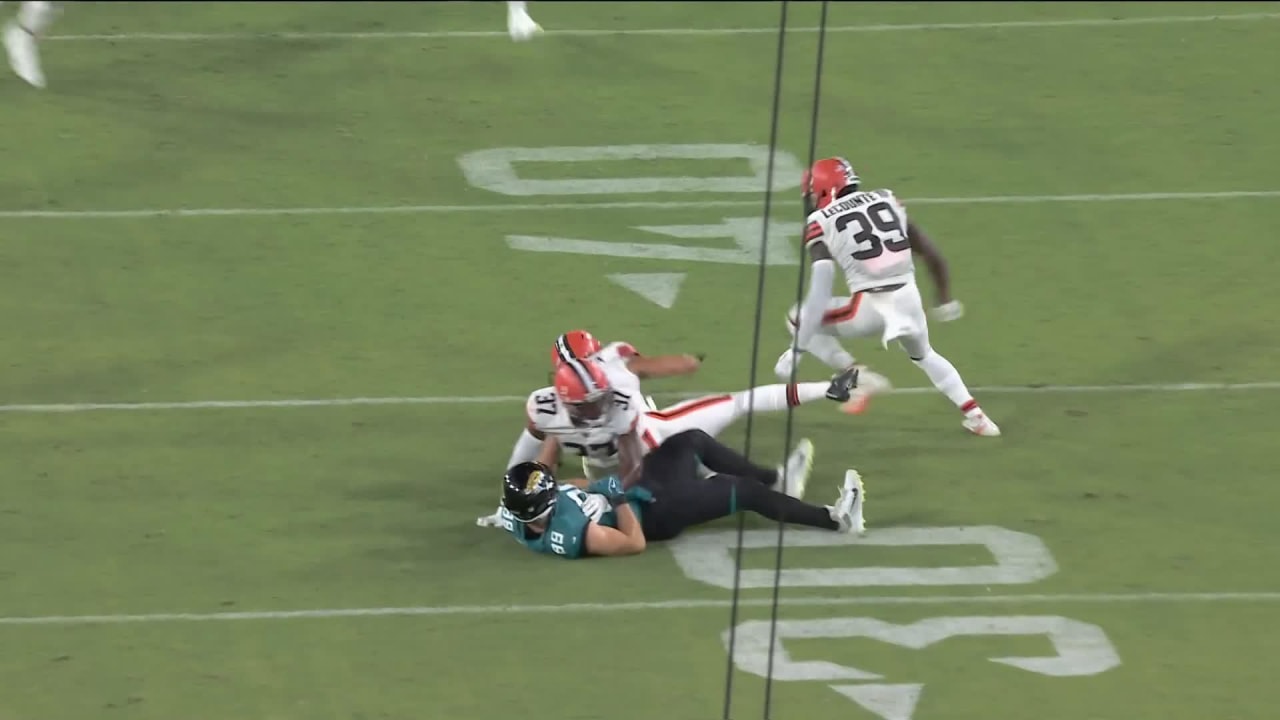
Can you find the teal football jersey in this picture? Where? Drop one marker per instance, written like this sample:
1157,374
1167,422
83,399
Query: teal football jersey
567,529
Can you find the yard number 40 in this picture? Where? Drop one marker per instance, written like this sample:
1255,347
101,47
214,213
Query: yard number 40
495,169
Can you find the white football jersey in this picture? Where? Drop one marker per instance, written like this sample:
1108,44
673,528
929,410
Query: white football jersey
866,233
548,416
613,358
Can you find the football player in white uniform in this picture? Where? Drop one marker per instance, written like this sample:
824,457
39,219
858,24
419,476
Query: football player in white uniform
584,411
21,35
868,235
556,419
625,367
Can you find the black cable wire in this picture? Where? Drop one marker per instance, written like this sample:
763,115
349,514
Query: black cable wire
775,113
777,570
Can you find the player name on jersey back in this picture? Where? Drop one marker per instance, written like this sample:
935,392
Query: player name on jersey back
866,233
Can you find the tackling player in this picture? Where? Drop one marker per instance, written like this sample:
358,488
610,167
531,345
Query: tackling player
594,408
624,367
21,35
605,517
868,235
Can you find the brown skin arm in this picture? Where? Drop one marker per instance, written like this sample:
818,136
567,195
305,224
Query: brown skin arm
662,365
630,454
549,455
627,539
933,261
818,251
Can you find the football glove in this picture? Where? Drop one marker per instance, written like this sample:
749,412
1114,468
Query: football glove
635,494
608,486
947,312
638,494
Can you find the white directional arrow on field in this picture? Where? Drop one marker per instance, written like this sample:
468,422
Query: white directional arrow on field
889,702
662,288
745,250
659,288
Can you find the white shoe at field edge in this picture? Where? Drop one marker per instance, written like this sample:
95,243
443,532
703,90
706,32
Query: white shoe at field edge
24,56
520,26
796,473
978,423
847,512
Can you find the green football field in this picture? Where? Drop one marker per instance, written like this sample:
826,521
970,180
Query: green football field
277,278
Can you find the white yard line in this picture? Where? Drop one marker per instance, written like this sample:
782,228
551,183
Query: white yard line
490,399
373,209
686,604
606,205
665,32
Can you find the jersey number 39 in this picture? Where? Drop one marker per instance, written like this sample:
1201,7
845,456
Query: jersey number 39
879,229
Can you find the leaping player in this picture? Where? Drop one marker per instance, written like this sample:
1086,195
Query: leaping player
868,235
594,408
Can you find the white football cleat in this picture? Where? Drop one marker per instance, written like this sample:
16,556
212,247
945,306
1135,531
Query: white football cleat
796,472
977,422
24,56
870,384
847,512
520,26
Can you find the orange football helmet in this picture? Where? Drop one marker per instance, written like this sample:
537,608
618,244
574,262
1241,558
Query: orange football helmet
584,389
828,179
573,345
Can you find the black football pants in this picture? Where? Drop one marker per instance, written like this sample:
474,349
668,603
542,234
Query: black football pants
682,499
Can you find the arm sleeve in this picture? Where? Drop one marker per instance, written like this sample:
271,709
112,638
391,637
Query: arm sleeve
526,449
815,303
813,232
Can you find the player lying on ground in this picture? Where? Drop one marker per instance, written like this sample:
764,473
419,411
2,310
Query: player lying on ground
609,517
870,238
21,35
606,424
